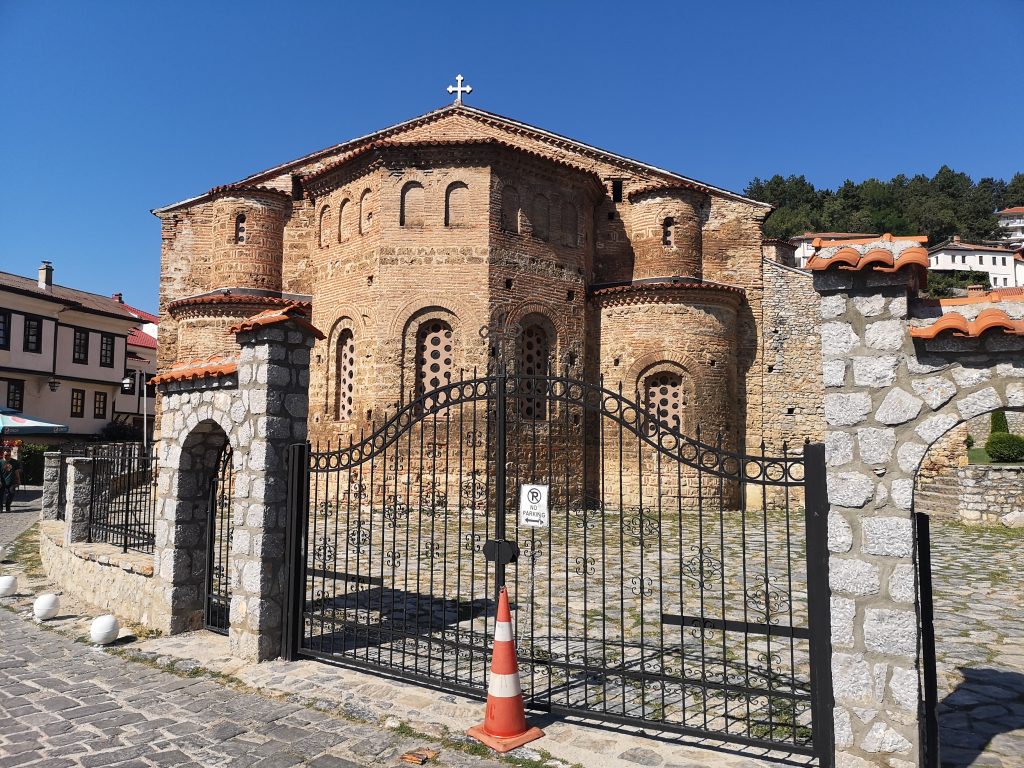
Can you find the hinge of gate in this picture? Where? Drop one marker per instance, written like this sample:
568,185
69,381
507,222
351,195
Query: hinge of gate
501,551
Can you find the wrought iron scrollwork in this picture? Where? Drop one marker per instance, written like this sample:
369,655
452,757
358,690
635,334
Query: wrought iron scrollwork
702,567
766,600
324,552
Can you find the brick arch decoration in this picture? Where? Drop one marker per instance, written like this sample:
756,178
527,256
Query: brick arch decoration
342,318
408,355
522,314
898,373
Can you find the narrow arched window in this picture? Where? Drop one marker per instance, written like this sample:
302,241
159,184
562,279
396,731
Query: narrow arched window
534,360
411,213
666,231
510,209
324,232
240,229
344,375
665,400
434,359
456,200
570,225
541,217
344,225
365,214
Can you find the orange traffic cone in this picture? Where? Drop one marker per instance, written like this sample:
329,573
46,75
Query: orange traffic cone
504,727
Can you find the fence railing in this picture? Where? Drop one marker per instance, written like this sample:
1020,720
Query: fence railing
122,500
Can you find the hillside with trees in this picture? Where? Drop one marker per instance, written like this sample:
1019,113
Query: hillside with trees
949,203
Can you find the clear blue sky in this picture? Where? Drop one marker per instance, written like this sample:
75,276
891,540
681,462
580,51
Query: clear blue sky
111,109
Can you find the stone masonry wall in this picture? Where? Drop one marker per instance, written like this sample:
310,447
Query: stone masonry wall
887,399
102,575
989,493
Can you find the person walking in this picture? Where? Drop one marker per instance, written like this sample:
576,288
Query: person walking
10,479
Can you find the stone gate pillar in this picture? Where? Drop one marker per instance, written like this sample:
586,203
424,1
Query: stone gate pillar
899,372
273,390
51,486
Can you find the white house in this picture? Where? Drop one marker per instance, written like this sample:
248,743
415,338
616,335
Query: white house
64,354
1004,265
1011,223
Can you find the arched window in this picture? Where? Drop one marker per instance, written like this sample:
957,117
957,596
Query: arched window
434,359
510,209
411,213
325,226
570,225
666,400
541,217
534,360
365,214
456,200
344,225
344,375
666,231
240,228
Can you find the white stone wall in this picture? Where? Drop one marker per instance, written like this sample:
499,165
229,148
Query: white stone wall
887,399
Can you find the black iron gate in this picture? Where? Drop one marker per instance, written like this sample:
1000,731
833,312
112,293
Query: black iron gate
664,583
218,551
928,716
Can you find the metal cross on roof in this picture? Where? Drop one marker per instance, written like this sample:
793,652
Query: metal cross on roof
458,90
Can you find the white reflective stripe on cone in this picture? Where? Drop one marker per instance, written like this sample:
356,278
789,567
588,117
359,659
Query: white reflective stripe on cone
502,631
504,686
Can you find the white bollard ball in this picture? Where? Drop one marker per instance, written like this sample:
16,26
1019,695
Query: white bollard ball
104,629
46,607
8,585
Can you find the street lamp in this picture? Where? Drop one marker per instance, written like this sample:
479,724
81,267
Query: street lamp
126,384
53,384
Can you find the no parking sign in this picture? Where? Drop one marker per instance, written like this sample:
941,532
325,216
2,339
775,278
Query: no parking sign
533,506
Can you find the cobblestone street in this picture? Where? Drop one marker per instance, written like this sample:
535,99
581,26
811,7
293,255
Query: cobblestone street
979,628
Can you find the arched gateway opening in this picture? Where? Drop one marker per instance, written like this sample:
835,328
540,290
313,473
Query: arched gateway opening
969,551
202,529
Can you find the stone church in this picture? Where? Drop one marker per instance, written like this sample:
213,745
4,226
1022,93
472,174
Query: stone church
411,246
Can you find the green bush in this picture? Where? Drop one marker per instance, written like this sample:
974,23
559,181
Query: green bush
999,423
969,442
1002,446
31,457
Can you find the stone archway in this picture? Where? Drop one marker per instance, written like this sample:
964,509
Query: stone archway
896,379
183,524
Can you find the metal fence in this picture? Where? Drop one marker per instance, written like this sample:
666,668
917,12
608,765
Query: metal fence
122,500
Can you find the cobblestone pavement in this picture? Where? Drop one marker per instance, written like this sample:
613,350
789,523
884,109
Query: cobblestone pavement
64,703
24,512
979,628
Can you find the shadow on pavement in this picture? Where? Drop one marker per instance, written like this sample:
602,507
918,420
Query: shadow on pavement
988,702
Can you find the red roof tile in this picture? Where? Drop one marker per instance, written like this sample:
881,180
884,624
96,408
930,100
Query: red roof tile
961,326
1015,209
881,259
137,338
69,297
211,367
236,298
667,285
293,313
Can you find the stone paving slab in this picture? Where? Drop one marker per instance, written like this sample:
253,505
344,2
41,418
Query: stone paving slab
171,715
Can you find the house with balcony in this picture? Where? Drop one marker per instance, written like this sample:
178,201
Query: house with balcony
65,355
1011,226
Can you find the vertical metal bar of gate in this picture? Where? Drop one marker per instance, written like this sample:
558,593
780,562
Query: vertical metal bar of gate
295,549
818,604
928,707
500,463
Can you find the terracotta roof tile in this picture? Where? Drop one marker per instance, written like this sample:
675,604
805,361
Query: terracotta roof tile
211,367
70,297
240,187
858,254
293,313
960,326
663,187
1015,209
